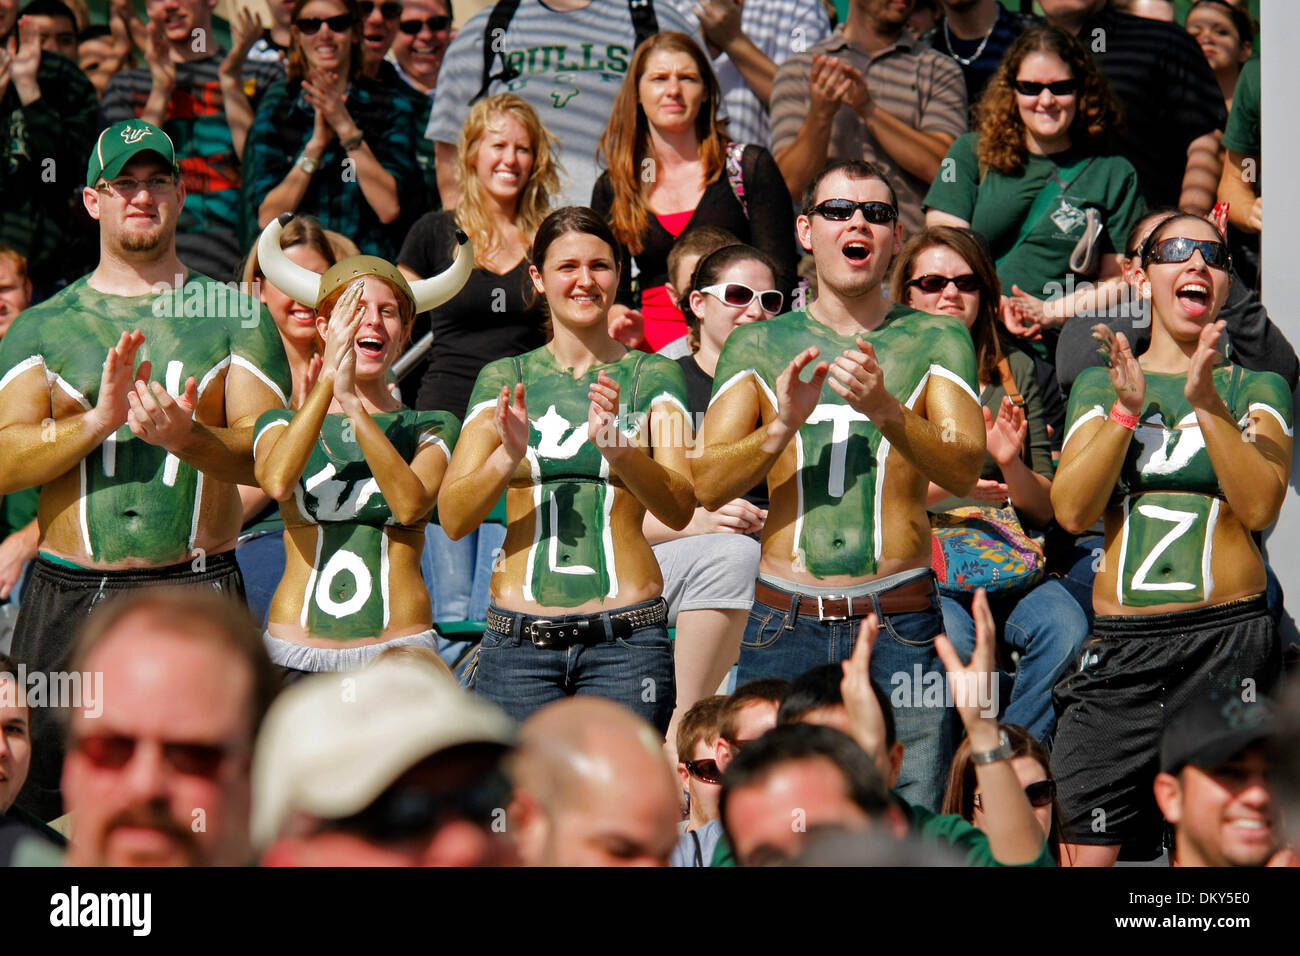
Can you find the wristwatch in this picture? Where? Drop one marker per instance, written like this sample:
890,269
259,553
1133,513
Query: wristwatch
1001,752
307,164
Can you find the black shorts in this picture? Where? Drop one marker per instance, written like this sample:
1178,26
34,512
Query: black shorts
55,604
1135,672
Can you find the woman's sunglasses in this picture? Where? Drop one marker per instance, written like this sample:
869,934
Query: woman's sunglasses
1181,249
706,771
309,26
738,295
1040,794
436,24
930,284
1059,88
841,210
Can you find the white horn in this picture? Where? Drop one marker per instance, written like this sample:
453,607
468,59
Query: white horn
298,283
434,291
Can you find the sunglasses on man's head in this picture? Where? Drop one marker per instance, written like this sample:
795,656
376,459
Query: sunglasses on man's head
309,26
931,283
436,24
1180,249
114,751
1040,794
1059,88
841,210
738,295
705,771
389,10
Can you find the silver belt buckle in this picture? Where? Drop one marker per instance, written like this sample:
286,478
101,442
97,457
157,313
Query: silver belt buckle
532,632
821,612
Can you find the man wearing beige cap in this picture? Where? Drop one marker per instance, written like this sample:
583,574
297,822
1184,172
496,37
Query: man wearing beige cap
393,765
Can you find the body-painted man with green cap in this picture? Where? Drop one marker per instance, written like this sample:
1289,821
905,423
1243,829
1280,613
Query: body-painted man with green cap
848,455
129,398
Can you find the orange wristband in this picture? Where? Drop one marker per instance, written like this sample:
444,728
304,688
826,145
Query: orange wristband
1123,418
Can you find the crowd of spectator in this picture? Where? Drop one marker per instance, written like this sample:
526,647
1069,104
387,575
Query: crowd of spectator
559,435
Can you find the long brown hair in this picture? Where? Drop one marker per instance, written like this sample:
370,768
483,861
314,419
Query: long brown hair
984,331
997,115
297,59
535,199
625,144
959,795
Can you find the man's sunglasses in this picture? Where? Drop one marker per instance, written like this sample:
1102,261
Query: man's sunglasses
114,751
389,11
309,26
841,210
402,812
1040,794
738,295
436,24
1059,88
1180,249
930,284
129,188
706,771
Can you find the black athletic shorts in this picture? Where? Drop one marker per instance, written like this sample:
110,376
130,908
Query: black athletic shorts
1134,672
54,606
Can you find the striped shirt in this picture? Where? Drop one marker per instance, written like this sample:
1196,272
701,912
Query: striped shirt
916,84
1167,90
571,65
206,233
779,28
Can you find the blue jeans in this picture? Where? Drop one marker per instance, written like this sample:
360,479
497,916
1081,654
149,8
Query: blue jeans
457,574
261,562
1047,626
636,672
776,644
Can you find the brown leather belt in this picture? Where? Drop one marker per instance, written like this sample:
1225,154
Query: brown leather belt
904,599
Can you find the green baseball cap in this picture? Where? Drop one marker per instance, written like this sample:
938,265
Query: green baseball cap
117,144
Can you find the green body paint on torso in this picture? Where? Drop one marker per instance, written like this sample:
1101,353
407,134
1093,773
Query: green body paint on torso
137,501
1171,494
348,592
840,455
572,559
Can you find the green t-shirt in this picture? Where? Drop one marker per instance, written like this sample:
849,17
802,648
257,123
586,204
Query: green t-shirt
997,205
17,509
947,829
138,501
1170,493
1242,132
841,456
348,592
572,559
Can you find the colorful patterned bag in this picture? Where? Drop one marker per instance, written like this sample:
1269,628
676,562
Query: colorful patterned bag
984,547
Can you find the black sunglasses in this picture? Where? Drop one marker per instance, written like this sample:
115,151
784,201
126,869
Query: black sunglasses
1180,249
114,751
436,24
930,284
389,11
841,210
1040,794
705,771
410,811
309,26
1059,88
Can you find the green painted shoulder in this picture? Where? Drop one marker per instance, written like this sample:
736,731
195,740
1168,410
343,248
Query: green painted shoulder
1092,389
659,378
946,340
436,426
1269,389
488,384
26,336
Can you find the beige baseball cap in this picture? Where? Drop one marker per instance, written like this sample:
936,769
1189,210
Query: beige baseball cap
332,743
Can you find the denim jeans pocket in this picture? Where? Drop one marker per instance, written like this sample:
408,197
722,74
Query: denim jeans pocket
915,628
653,638
493,640
763,628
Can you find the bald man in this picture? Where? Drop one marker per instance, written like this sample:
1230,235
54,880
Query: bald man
592,788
